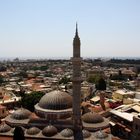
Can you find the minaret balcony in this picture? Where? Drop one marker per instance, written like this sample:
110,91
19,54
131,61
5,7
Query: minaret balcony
76,59
77,79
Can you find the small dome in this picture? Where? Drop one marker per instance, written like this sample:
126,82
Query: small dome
56,100
86,133
101,135
49,131
21,114
4,128
67,132
92,117
33,131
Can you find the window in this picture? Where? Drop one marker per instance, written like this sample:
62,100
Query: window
3,111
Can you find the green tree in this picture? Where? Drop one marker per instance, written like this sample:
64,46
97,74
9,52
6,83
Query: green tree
1,79
48,75
23,74
93,78
43,68
64,80
29,100
2,68
118,76
101,84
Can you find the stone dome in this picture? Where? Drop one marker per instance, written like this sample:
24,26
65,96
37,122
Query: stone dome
67,132
92,117
56,100
101,135
49,131
4,128
21,114
86,133
33,131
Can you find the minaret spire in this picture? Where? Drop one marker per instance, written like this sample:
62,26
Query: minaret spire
76,29
76,43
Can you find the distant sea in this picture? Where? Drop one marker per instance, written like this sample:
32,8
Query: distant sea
122,58
67,58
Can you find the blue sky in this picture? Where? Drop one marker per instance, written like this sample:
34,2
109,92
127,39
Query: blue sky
45,28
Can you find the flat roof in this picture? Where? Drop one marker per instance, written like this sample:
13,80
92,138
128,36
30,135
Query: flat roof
124,115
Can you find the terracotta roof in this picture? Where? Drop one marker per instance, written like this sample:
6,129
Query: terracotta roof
2,107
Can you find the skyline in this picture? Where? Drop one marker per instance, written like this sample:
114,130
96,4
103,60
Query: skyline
46,29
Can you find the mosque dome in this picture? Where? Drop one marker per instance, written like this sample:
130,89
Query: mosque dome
21,114
92,117
4,128
49,131
56,100
86,133
67,132
101,135
33,131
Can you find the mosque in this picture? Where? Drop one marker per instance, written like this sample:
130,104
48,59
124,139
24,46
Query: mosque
58,114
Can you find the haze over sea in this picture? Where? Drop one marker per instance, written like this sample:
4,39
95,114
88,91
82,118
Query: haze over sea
64,58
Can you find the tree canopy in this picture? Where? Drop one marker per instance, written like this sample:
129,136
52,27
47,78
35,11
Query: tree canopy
1,79
29,100
93,78
64,80
101,84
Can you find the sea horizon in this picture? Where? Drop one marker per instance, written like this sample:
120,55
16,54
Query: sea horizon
64,58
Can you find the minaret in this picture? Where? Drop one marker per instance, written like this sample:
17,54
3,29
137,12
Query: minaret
76,81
